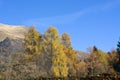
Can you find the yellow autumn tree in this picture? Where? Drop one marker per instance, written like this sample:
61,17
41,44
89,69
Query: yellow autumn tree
66,40
70,53
32,40
81,69
98,61
56,55
59,61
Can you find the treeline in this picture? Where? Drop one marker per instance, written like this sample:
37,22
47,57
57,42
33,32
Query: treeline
51,55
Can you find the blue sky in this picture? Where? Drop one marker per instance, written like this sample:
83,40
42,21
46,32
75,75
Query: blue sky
88,22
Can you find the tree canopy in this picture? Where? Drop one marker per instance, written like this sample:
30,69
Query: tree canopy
52,55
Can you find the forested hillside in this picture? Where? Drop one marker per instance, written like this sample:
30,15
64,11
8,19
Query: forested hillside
51,55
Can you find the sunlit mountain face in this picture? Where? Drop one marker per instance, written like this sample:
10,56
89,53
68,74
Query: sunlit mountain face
10,31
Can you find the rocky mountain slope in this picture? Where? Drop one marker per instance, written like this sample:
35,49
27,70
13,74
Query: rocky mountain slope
11,38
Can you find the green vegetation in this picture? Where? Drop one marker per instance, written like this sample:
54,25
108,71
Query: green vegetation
51,55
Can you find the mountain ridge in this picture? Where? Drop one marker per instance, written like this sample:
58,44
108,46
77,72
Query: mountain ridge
13,32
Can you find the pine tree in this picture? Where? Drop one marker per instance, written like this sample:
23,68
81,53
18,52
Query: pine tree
118,50
117,64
